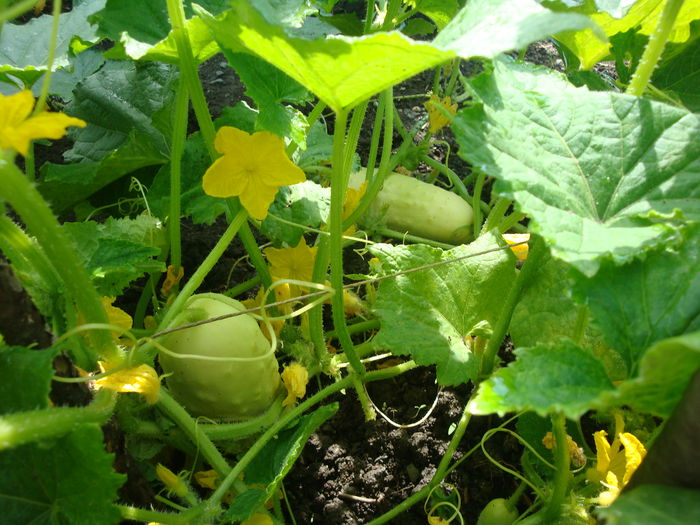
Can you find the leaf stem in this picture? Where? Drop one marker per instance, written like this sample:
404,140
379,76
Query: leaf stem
476,203
655,46
562,475
151,516
460,188
25,427
532,264
41,222
176,150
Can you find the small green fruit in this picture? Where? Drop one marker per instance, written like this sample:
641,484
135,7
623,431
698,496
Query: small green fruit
497,512
239,388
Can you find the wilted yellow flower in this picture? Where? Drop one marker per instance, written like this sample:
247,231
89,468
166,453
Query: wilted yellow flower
251,167
295,377
258,519
437,118
18,129
292,263
521,250
171,279
616,462
437,520
576,453
172,481
141,379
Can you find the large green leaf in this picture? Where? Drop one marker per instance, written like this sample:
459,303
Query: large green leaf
592,169
647,300
341,71
119,100
24,48
428,313
25,378
643,13
70,481
547,312
664,374
487,28
653,505
680,75
561,377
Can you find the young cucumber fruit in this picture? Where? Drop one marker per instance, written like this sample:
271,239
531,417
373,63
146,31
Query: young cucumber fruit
240,386
497,512
407,204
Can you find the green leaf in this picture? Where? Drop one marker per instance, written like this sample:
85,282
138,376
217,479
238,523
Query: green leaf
117,251
307,204
275,460
71,481
116,101
428,313
341,71
24,48
270,88
561,377
319,148
549,145
680,75
487,28
546,312
643,13
64,185
25,378
652,505
647,300
65,79
439,11
664,374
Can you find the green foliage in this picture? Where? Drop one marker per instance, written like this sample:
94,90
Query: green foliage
652,504
585,202
25,378
679,75
547,379
428,313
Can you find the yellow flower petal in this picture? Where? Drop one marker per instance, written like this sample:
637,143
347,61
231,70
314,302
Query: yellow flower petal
295,377
253,167
207,479
141,379
436,116
171,279
634,454
18,129
117,316
258,519
607,497
521,250
292,263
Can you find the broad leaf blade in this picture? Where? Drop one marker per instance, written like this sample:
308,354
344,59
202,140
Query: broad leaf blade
25,378
428,313
588,167
341,71
680,75
647,300
487,28
546,379
654,504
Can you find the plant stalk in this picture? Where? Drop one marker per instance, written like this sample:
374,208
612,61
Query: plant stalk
562,476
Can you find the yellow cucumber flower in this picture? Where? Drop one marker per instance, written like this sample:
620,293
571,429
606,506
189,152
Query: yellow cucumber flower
436,117
616,461
251,167
117,316
292,263
141,379
295,377
18,129
258,519
521,250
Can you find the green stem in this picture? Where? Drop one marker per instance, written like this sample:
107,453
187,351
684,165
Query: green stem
243,287
9,13
357,328
654,48
358,117
374,139
532,264
497,213
511,221
476,203
369,17
460,188
318,275
403,236
453,77
254,254
46,84
188,69
25,427
562,476
179,415
207,264
290,416
41,222
151,516
231,431
177,148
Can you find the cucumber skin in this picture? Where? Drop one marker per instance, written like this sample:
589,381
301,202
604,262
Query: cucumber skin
407,204
497,512
222,390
